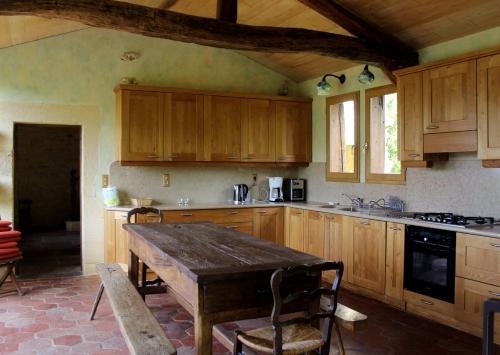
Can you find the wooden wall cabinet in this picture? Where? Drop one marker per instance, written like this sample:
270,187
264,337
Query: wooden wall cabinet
366,267
488,107
449,98
268,224
394,262
184,126
293,131
258,131
294,228
140,125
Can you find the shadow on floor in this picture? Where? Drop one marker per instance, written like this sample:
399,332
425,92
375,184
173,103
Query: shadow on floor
50,254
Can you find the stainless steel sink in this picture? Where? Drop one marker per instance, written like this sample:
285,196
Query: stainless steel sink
348,209
328,206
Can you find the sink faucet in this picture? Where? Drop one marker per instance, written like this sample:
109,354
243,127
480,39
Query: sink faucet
380,203
355,201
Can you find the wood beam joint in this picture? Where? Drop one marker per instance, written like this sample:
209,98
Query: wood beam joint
227,10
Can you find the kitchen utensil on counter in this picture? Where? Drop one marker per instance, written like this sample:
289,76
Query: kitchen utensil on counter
110,196
240,193
294,189
141,201
275,189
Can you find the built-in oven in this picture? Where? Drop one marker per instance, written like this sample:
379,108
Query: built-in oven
430,262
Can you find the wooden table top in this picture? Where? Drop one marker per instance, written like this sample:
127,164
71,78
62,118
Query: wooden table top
209,252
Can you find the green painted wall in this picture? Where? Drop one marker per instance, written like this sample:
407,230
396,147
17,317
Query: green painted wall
82,68
477,41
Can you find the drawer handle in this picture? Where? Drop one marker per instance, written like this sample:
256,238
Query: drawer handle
495,245
394,228
413,155
496,294
282,157
433,127
233,227
262,211
364,222
427,302
262,291
172,156
233,212
186,214
153,156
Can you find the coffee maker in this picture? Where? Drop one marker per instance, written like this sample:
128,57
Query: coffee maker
276,189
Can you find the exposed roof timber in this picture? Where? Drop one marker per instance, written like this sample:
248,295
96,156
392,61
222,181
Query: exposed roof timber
211,32
227,10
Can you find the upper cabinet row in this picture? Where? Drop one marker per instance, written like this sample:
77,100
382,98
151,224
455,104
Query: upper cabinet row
190,126
450,107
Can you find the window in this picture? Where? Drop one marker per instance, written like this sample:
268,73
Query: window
342,138
381,131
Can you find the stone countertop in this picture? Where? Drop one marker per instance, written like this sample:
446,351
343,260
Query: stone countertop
487,231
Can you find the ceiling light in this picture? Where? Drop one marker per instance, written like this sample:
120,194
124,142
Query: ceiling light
323,87
366,76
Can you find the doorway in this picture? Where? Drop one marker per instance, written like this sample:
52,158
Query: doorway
47,199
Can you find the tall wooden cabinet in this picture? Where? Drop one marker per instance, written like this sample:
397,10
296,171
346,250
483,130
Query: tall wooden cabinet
293,132
183,127
488,107
258,130
140,125
366,267
268,224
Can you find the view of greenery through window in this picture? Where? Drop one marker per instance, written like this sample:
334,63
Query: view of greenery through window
392,163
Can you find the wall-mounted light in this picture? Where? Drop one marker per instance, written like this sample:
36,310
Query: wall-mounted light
366,76
129,56
323,87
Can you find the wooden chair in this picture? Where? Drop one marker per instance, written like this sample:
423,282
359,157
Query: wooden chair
7,268
490,307
296,335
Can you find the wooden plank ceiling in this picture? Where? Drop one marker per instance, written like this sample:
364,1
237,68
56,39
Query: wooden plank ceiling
419,23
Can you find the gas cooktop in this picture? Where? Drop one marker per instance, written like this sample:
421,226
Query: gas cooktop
453,219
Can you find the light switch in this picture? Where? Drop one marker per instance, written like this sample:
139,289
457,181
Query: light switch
166,180
105,180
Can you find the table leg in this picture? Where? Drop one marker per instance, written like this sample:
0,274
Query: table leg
202,335
133,270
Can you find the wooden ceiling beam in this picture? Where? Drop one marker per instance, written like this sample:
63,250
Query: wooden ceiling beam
227,10
360,28
166,24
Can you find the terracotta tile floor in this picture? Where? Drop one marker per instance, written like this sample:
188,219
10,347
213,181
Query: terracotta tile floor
52,318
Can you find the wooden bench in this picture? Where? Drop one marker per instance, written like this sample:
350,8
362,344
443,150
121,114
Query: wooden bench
142,332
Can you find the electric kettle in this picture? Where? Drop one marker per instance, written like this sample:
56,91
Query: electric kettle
240,192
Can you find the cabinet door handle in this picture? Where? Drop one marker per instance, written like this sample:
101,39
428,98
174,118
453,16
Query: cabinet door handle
233,227
394,228
153,156
413,155
186,214
435,126
233,212
281,157
364,222
262,211
233,157
427,302
496,294
172,156
495,245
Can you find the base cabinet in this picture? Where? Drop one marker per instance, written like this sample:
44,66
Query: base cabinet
394,262
268,224
314,234
116,238
335,248
294,229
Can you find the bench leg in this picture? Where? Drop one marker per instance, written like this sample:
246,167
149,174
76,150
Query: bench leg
97,300
238,347
339,337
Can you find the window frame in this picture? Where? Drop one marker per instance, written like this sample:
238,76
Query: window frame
333,100
377,178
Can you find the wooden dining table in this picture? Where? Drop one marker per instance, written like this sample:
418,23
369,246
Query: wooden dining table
217,274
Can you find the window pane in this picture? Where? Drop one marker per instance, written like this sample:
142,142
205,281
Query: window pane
342,137
383,150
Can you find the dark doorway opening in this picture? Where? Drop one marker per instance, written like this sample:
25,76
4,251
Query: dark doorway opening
47,199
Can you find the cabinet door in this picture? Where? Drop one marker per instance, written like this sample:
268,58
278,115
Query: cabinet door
367,265
478,258
294,236
469,300
314,233
183,127
268,224
293,131
258,131
116,238
394,270
450,98
334,247
142,126
223,128
488,107
410,117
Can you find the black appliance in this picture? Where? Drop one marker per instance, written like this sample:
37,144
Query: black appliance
430,262
240,192
294,189
453,219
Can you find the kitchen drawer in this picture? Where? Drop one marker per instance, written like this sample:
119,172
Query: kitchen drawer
219,216
244,227
429,303
147,218
478,258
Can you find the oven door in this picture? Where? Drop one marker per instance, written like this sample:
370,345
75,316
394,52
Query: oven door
430,270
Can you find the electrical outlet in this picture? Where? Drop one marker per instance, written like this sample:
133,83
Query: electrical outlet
105,180
254,178
166,180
